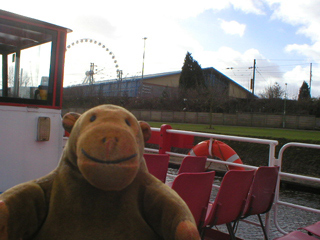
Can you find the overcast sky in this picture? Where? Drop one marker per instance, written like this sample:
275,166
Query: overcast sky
282,35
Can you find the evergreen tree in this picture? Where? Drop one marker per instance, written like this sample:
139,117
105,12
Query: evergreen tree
192,76
304,92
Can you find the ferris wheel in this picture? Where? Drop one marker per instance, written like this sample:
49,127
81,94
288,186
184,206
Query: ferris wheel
93,68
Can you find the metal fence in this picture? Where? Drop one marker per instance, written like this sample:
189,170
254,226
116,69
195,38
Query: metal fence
236,119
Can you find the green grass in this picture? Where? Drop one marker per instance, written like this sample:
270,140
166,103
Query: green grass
269,133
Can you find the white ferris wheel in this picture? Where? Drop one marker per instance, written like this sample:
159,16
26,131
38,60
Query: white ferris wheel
90,61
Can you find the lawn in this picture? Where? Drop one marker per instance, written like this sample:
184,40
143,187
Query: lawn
269,133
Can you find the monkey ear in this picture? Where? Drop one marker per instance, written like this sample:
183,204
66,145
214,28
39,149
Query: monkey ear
146,130
69,119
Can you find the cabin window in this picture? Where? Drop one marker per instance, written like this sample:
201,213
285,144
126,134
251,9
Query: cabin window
27,60
30,79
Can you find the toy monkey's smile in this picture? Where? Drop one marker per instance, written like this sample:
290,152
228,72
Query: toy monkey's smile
107,162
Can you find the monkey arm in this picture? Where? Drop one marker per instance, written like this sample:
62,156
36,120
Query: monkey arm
168,214
22,210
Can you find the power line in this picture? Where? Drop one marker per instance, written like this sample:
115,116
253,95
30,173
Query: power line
261,74
284,59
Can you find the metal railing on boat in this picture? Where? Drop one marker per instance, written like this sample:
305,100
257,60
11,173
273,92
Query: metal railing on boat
162,138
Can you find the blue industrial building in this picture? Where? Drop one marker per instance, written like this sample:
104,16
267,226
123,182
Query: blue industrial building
153,85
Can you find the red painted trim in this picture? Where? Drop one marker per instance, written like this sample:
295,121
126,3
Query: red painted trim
62,69
27,105
30,21
56,70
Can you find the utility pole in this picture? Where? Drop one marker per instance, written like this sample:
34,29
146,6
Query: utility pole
284,107
310,78
253,76
144,51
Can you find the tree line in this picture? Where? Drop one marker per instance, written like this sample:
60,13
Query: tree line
193,95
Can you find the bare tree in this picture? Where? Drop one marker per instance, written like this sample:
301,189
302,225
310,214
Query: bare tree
272,92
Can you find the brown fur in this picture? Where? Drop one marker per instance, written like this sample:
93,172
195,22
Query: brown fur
100,190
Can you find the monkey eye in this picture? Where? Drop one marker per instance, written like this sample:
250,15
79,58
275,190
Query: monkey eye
128,123
93,117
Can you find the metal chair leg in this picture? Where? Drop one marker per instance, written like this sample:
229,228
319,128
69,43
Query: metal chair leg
263,228
231,232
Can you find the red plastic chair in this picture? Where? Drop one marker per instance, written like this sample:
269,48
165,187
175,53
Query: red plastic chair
261,194
313,229
296,235
191,164
230,201
195,190
157,165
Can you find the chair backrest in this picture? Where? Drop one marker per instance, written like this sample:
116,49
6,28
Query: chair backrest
195,190
193,164
231,197
157,165
313,229
262,191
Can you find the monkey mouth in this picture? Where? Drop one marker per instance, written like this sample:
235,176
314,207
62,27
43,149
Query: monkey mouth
106,161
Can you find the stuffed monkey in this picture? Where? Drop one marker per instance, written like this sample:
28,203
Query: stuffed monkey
101,188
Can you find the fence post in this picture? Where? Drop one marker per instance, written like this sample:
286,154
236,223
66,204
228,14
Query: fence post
165,141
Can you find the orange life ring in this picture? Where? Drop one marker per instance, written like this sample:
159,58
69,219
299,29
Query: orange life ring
218,149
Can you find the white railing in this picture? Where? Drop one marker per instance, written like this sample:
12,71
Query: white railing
278,202
272,161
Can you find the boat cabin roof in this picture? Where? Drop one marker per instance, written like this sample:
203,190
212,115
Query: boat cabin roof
20,32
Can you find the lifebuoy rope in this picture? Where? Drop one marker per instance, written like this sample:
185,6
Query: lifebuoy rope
210,147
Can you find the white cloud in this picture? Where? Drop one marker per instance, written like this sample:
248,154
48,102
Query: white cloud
301,13
249,6
304,15
300,74
295,78
232,27
310,51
